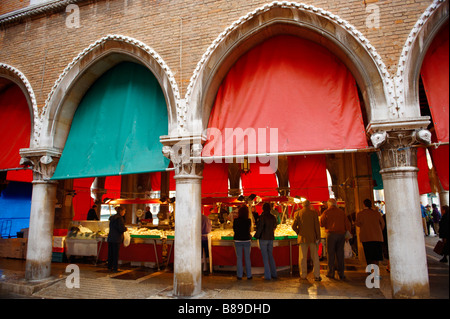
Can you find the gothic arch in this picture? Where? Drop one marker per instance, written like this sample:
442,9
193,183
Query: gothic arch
85,69
413,54
302,20
14,75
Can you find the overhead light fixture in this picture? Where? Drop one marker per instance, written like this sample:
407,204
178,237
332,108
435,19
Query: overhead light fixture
245,165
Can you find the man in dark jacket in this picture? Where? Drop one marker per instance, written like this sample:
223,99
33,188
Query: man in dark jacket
115,237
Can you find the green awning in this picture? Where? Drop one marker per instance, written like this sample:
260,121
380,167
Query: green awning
116,127
376,176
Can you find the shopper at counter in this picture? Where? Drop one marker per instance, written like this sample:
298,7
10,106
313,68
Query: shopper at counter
242,242
336,224
371,225
265,233
115,237
306,225
206,229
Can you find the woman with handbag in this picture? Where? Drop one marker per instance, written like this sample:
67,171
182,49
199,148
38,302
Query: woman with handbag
265,234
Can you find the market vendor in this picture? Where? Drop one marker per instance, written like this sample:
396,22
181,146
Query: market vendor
148,213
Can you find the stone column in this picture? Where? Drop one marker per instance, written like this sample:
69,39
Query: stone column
408,260
187,279
43,200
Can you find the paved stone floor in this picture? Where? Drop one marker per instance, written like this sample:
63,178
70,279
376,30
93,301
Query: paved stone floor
96,282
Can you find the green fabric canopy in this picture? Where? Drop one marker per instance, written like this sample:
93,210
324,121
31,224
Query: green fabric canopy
117,126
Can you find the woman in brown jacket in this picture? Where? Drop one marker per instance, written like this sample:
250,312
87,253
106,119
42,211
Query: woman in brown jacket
371,226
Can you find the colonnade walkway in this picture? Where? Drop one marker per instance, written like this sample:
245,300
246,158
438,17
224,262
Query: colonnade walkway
96,282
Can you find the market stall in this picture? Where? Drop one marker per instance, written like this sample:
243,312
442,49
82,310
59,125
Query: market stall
221,243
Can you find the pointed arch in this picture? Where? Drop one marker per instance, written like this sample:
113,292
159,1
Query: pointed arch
413,54
301,20
86,68
12,74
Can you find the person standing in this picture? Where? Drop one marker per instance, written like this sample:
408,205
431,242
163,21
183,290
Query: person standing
371,226
115,237
306,225
443,232
206,229
92,213
435,218
336,224
424,218
242,241
265,233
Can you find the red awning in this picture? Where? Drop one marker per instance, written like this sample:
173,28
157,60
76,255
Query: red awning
440,162
435,77
254,182
308,177
82,201
215,180
15,128
422,176
287,94
155,180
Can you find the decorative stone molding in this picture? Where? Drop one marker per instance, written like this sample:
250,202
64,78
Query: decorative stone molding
19,78
34,10
43,162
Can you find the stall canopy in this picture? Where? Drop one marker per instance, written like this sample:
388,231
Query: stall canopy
287,94
308,177
435,77
259,184
15,128
117,126
215,180
422,176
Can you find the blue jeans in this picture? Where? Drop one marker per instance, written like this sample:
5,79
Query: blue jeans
243,246
270,269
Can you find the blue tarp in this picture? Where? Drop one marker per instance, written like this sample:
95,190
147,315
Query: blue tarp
15,205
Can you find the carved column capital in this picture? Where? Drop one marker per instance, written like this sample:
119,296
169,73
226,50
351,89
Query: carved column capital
180,151
397,151
42,161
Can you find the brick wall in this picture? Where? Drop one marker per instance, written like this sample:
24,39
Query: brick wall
42,47
12,5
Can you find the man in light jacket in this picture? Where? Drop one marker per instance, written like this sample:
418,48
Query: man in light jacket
306,225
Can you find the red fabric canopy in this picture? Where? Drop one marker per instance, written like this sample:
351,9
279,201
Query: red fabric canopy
435,77
215,180
113,185
82,201
308,177
422,176
155,180
253,182
287,94
440,162
15,129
